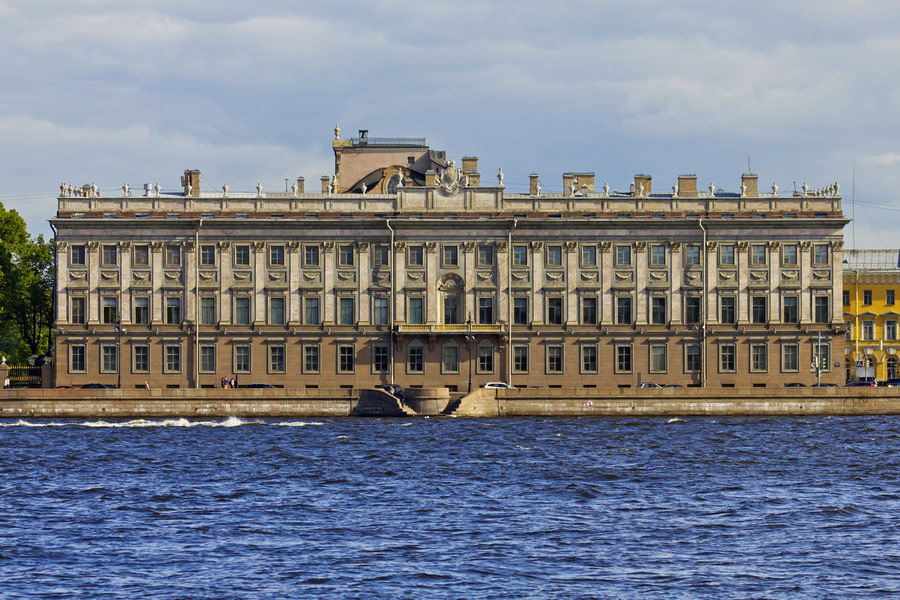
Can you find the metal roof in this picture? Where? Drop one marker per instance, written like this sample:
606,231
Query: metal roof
875,260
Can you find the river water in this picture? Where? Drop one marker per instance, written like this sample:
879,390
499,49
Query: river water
451,508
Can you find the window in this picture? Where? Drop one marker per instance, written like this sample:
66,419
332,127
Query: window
485,359
822,356
207,359
520,310
623,358
415,359
868,330
109,359
208,310
207,255
77,363
726,254
727,358
623,255
381,358
658,310
78,310
758,309
520,359
890,330
310,310
791,309
657,255
553,256
173,310
450,359
589,256
173,359
310,256
276,359
173,255
140,256
790,357
554,359
589,310
485,256
140,356
345,310
846,297
891,364
242,256
589,359
820,309
758,255
242,310
310,359
727,309
109,255
820,254
867,297
110,309
276,310
554,310
276,256
380,310
381,255
142,310
346,256
242,359
415,256
416,310
692,254
692,309
623,310
486,310
451,310
789,255
759,358
889,297
658,358
346,359
692,360
450,255
77,255
520,256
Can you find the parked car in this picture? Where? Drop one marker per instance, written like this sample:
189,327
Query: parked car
498,385
649,385
795,384
673,385
861,383
824,385
892,382
97,386
260,385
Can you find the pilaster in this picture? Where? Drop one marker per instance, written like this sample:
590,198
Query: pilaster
640,283
606,280
125,300
743,270
469,281
804,256
158,276
62,282
537,282
92,257
293,297
260,262
226,281
571,281
329,299
363,281
774,282
676,276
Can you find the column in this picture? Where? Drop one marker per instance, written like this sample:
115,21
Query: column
837,282
712,276
399,272
190,282
503,283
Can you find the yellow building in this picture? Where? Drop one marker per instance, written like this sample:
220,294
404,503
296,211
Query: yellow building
871,281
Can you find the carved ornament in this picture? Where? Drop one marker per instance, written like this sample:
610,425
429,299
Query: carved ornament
537,246
61,246
363,246
430,246
837,245
157,247
640,246
329,246
93,246
125,246
805,245
743,246
224,246
774,245
711,246
469,246
572,246
502,246
605,246
399,246
259,246
294,246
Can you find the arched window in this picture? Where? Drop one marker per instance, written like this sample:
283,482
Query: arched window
451,289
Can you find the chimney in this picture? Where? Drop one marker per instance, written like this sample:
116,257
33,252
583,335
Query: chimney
750,185
687,186
430,176
301,185
147,188
568,180
581,180
532,184
190,181
470,168
642,185
325,181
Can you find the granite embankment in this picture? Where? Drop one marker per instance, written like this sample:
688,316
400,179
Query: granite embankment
277,403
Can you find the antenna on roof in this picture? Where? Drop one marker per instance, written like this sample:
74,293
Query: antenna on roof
853,200
749,170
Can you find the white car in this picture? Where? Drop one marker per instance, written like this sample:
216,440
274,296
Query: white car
649,384
498,385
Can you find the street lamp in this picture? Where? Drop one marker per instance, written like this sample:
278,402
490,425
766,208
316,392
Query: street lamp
119,332
469,339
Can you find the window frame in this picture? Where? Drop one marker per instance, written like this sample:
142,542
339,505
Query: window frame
204,358
272,351
415,255
105,257
275,253
754,365
554,359
141,315
653,360
241,255
137,349
589,364
728,352
207,255
311,352
624,358
241,353
346,256
76,252
83,358
169,355
449,251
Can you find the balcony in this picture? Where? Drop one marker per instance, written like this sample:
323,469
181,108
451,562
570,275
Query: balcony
462,328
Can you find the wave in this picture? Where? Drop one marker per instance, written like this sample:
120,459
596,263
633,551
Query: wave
182,422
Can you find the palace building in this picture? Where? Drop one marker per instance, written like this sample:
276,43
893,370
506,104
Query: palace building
407,268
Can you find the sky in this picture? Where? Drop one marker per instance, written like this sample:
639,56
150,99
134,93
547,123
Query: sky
136,91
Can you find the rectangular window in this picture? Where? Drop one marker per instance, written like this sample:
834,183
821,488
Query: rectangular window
790,357
109,255
727,358
846,297
207,310
77,255
346,256
380,310
450,359
520,256
242,255
381,255
77,355
276,310
173,255
657,255
415,359
868,330
821,306
589,256
623,310
822,356
416,310
173,359
623,255
889,297
142,310
758,309
110,359
890,330
207,359
554,311
623,358
110,309
140,256
820,254
554,359
520,359
692,358
276,359
553,256
242,359
692,309
486,310
726,254
242,310
276,256
727,306
658,310
451,310
589,359
140,355
485,256
415,256
345,310
867,297
79,310
692,254
789,255
485,359
450,255
659,362
310,359
791,306
520,310
310,256
381,358
310,310
346,359
589,310
758,255
759,358
207,255
173,310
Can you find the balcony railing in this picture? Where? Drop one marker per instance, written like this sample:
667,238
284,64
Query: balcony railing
452,329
